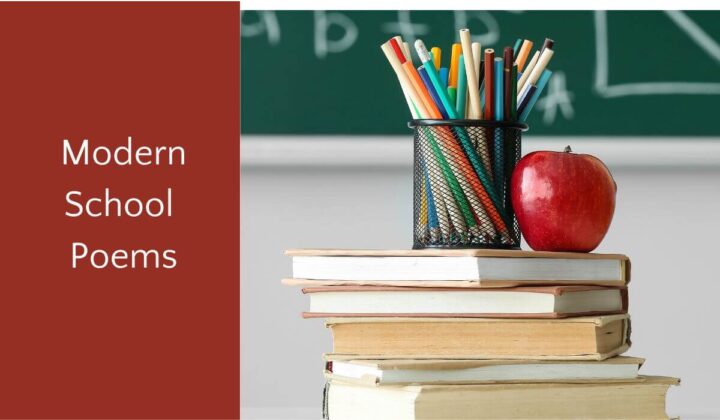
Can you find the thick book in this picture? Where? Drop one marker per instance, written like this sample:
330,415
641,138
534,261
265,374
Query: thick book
586,338
517,302
455,268
382,372
640,398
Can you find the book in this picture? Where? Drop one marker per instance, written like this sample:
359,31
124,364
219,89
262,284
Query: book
640,398
591,338
518,302
468,371
455,268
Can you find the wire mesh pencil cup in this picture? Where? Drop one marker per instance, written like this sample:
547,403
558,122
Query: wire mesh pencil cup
461,180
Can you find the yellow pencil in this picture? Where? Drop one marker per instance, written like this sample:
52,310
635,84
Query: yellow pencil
454,59
437,54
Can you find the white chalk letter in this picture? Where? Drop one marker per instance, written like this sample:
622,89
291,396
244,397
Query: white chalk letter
323,22
267,23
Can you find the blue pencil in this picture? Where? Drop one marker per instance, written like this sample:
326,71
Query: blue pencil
431,90
499,155
544,77
444,72
499,93
525,97
432,213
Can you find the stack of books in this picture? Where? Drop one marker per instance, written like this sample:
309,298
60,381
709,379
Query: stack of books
476,334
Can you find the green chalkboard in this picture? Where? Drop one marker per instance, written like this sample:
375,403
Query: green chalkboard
615,73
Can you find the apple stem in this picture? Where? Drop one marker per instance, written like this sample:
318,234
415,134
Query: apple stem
568,149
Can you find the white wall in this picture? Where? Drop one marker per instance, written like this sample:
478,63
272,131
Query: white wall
667,221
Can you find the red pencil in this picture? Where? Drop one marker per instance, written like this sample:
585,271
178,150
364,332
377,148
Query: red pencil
489,84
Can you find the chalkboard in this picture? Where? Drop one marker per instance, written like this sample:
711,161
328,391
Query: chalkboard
615,73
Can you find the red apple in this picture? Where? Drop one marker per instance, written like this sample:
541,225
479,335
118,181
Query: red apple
563,201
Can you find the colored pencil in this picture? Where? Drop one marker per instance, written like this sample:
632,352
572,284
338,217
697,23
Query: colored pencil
527,71
549,43
415,81
538,91
489,84
516,46
437,55
472,84
479,72
508,82
439,190
405,48
444,74
462,88
452,94
454,58
477,60
481,79
498,156
423,224
457,183
498,87
539,67
523,54
430,200
404,80
525,98
431,90
440,87
486,191
513,94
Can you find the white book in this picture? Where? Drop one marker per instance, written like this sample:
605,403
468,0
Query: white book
424,371
535,302
491,268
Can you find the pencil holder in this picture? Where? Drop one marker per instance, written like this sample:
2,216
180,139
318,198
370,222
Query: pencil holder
462,172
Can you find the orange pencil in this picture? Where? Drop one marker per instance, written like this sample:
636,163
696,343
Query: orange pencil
454,59
523,54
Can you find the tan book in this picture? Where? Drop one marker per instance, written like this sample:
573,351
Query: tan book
586,338
452,302
641,398
455,268
383,372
